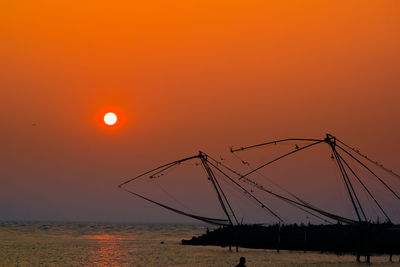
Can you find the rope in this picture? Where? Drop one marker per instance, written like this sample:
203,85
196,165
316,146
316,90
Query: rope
220,222
289,201
362,164
370,160
172,197
262,204
272,182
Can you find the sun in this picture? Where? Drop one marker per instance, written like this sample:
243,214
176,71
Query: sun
110,118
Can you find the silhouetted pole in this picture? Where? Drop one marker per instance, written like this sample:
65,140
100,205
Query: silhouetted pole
237,238
367,243
305,238
279,236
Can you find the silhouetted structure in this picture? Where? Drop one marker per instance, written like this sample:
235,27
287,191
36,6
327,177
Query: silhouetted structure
360,240
357,236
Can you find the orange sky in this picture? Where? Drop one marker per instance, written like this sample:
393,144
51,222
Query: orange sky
184,76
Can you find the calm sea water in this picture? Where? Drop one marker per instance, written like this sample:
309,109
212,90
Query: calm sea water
92,244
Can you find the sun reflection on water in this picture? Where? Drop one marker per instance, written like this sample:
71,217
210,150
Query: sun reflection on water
106,250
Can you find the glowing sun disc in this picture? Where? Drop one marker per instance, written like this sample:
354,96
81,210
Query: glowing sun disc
110,118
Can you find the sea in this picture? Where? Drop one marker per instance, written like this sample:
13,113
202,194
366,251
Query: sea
123,244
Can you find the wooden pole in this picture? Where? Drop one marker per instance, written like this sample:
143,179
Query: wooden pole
279,236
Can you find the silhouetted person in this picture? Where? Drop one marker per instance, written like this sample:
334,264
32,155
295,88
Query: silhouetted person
242,262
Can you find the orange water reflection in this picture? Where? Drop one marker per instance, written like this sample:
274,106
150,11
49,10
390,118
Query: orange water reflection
106,250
